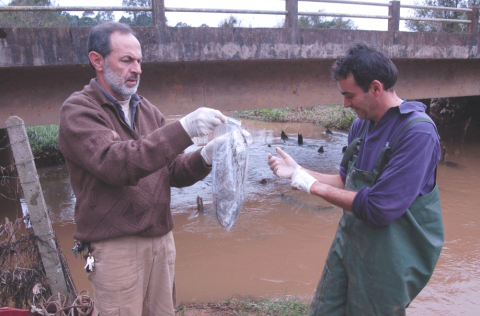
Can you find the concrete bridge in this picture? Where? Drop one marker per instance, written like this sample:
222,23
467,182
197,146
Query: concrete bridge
230,68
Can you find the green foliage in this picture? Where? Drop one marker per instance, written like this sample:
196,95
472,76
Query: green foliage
44,144
181,24
278,307
339,118
65,19
284,307
430,26
321,22
231,21
137,18
32,19
272,115
89,18
331,116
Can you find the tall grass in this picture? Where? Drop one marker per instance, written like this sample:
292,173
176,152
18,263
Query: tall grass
44,143
339,118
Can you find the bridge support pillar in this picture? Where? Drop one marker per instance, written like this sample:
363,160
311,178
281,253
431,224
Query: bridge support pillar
394,13
291,20
158,13
472,28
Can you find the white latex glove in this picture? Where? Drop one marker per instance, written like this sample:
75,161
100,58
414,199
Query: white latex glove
207,151
202,121
282,167
302,180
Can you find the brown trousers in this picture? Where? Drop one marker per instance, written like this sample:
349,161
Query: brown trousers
134,276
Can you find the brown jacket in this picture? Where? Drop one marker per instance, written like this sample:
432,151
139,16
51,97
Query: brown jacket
122,178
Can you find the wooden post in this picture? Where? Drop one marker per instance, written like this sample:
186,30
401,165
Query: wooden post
394,13
291,20
472,28
200,204
158,14
39,218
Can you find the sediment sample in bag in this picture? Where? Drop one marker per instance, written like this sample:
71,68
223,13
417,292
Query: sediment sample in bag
230,161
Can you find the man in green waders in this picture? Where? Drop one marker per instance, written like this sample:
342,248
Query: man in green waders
390,235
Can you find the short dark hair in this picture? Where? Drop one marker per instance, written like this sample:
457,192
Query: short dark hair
99,38
366,64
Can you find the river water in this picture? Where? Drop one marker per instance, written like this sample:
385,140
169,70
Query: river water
280,241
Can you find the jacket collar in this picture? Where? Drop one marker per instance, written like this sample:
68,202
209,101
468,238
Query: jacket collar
409,107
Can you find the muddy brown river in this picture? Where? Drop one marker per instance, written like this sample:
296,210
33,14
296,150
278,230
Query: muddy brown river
280,241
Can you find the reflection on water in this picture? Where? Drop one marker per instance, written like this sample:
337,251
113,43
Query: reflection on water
280,241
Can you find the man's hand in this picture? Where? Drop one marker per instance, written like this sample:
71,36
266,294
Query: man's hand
207,151
282,167
202,121
302,180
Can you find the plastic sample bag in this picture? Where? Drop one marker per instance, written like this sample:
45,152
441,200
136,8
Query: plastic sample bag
229,171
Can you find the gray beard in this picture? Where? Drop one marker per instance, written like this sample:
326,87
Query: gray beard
115,83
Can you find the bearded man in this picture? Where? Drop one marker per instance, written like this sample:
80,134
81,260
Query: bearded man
123,158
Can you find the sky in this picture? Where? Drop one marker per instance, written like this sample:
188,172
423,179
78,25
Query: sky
256,20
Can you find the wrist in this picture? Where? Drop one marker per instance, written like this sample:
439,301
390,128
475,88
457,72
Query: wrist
310,183
302,180
296,170
184,125
205,157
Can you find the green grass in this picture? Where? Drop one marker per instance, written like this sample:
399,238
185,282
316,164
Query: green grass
331,116
278,307
44,144
339,118
271,115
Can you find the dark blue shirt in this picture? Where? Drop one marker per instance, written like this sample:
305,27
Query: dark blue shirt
411,170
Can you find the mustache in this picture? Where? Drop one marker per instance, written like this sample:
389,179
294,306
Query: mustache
132,76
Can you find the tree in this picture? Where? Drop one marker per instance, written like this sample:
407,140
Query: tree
32,19
181,24
89,18
322,22
231,21
50,18
429,26
137,18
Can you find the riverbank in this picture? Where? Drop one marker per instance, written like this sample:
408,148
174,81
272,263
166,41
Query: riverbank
44,144
329,116
279,307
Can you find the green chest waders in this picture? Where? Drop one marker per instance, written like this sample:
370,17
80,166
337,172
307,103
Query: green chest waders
379,271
